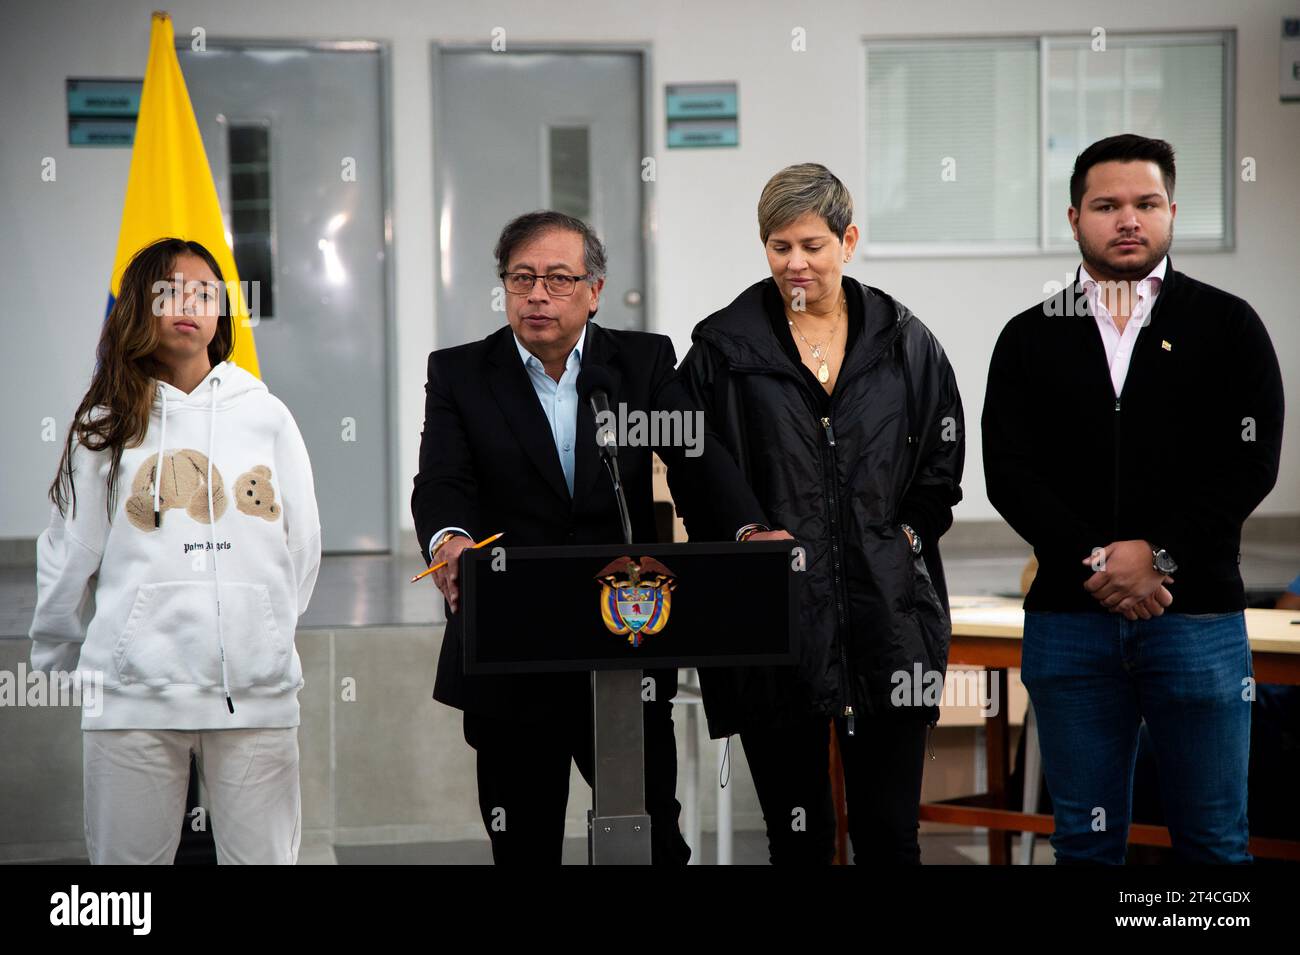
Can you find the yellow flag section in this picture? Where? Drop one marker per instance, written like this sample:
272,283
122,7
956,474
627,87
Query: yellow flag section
170,191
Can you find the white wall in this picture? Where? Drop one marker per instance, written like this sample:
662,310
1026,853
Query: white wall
57,239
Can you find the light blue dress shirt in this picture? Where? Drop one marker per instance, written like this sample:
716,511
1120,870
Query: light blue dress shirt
559,400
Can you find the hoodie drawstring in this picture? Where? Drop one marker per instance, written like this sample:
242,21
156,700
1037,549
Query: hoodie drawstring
212,530
158,467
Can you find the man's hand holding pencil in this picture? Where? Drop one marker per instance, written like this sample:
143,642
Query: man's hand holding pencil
446,570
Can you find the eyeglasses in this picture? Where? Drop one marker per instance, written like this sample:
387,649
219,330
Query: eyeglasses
557,283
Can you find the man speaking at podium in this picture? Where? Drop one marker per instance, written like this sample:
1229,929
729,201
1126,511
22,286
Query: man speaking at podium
509,447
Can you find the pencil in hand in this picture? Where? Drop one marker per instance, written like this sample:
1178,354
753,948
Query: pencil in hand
442,564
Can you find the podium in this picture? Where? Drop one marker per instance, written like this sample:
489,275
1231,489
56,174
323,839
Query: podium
614,610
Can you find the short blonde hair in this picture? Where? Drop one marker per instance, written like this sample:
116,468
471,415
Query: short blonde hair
805,187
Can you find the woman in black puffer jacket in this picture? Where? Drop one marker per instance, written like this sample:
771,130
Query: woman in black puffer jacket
843,413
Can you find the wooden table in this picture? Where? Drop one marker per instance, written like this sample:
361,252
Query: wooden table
987,632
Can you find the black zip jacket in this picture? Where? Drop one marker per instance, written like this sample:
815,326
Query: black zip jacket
890,450
1179,459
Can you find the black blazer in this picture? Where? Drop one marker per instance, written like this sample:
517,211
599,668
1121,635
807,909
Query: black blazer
488,463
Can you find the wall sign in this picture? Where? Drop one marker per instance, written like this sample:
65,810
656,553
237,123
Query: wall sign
702,115
1290,56
102,112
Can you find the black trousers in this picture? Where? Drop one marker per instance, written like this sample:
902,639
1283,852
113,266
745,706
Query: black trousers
523,781
883,763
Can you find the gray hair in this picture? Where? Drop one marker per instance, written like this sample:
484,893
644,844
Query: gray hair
528,226
802,188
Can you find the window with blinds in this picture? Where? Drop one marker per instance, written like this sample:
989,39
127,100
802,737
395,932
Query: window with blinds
970,143
952,144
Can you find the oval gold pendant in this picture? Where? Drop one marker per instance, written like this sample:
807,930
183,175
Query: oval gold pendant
823,374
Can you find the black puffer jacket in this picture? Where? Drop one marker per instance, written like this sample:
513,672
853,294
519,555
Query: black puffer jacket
841,484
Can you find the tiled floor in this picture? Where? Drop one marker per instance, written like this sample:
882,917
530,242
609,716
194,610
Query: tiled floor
748,848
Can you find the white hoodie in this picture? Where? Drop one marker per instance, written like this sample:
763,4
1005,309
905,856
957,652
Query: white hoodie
170,654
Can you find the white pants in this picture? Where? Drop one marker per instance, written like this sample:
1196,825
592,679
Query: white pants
136,783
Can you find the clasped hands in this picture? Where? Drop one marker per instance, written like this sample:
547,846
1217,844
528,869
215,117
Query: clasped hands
1127,582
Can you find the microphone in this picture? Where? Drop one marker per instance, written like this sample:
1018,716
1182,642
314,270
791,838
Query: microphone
594,385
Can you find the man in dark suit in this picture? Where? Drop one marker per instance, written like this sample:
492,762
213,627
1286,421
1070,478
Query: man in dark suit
507,446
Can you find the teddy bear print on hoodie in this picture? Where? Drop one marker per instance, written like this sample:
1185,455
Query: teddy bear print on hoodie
184,484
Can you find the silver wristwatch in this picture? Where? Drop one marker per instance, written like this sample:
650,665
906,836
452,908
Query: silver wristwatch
1162,562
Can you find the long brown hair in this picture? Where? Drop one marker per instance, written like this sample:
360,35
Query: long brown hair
125,368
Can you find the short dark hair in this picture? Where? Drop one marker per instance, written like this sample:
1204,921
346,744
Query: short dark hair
532,224
800,189
1126,147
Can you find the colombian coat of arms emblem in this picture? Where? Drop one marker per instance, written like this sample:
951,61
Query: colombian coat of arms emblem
636,597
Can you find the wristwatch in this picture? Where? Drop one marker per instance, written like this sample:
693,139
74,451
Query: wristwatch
916,539
446,536
1162,562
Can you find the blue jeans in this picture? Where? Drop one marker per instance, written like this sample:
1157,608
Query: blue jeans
1094,678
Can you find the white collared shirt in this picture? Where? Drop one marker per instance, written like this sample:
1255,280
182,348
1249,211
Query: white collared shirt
1119,344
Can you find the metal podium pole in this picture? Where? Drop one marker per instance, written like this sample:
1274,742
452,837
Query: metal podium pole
618,825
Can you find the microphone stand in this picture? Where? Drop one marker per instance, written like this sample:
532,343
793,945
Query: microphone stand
611,466
618,826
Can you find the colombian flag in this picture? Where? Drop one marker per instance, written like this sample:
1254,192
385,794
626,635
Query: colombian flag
169,191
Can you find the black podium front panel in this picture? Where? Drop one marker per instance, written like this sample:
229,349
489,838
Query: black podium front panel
617,607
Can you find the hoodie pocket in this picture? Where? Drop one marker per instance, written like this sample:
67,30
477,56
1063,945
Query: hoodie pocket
171,637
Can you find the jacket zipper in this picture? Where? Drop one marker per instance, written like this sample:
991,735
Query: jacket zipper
832,502
1115,510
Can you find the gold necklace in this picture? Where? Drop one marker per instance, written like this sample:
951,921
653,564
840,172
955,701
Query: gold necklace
824,371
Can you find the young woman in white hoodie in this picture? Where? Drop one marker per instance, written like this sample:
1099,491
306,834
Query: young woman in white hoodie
183,544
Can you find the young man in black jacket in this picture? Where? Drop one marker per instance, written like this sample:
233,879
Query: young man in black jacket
1131,424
